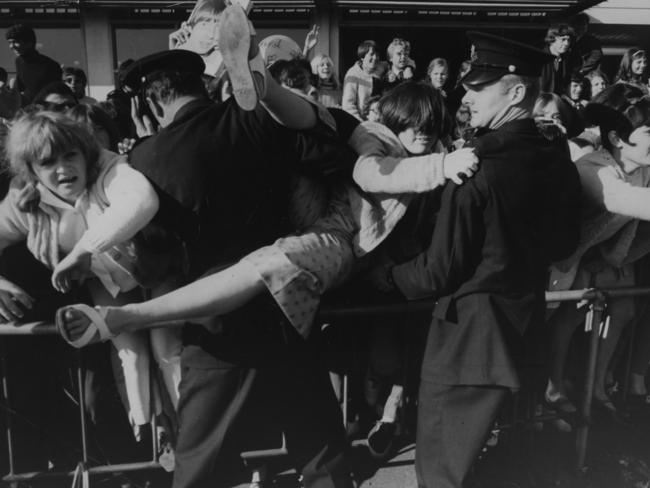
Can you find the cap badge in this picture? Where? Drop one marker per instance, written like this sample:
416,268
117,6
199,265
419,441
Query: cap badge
512,68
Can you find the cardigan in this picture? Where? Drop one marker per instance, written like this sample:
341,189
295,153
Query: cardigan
357,88
388,178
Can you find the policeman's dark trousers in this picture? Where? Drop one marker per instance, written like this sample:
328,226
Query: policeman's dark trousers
453,425
237,384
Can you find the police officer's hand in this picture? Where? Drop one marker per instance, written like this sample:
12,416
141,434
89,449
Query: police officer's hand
125,145
460,164
143,124
12,300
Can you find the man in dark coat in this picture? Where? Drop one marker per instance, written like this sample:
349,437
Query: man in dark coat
223,176
556,71
494,238
587,46
34,70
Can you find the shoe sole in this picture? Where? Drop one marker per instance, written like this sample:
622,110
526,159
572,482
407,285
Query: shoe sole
235,43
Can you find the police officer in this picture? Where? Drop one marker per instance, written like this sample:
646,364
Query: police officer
494,238
222,175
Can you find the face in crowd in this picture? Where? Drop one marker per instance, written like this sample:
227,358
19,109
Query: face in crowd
369,61
20,47
399,57
76,84
575,90
417,142
64,174
486,101
639,64
439,75
373,112
560,45
598,84
205,33
324,69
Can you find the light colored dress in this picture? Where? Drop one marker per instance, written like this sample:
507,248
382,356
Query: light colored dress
298,269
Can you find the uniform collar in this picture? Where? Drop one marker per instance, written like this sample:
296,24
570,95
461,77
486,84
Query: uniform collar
190,108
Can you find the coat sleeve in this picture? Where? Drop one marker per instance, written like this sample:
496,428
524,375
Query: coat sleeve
132,204
603,186
380,170
455,249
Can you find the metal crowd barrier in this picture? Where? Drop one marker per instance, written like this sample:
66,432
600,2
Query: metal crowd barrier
595,299
83,470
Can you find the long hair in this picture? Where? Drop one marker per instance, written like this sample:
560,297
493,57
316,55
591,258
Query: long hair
96,117
625,68
318,59
36,136
418,105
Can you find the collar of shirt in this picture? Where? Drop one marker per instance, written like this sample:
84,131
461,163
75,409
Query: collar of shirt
49,198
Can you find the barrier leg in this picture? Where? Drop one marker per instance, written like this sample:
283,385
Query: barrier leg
592,324
82,407
628,361
5,399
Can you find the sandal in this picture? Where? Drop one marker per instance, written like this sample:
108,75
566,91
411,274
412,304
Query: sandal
235,45
97,326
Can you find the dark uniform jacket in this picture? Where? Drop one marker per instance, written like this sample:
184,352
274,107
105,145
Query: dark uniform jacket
494,238
222,175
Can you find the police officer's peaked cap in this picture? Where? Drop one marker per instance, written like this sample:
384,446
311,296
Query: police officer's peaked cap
179,60
494,57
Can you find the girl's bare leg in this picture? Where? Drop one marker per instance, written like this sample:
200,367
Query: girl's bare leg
216,294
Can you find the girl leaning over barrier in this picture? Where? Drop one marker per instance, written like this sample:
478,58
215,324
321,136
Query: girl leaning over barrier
397,160
616,208
90,203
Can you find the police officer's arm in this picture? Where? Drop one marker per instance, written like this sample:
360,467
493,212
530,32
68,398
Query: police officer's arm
455,249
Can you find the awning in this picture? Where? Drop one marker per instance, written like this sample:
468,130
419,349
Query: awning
547,7
477,9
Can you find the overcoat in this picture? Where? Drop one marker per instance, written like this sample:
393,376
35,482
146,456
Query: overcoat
493,241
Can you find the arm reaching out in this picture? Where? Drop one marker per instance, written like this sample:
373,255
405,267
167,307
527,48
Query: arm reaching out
382,167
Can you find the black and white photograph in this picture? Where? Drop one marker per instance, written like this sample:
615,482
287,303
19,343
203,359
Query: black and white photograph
324,244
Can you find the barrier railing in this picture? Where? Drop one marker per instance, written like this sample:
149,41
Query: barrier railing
44,329
595,299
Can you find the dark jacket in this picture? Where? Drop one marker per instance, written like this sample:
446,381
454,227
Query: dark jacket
556,74
222,175
35,71
590,50
493,241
